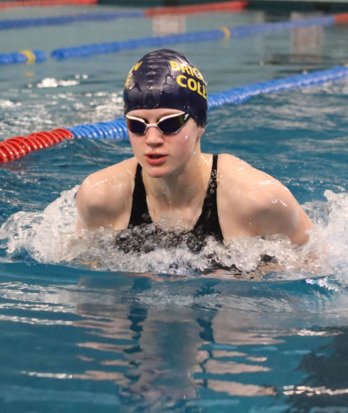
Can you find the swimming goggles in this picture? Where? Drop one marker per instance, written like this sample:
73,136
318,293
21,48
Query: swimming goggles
168,125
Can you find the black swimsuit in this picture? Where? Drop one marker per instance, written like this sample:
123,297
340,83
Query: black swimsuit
206,225
143,236
208,222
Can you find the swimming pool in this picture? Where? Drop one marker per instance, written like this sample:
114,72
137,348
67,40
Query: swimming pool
149,332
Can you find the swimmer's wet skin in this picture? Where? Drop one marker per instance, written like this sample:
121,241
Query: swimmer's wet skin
206,225
169,182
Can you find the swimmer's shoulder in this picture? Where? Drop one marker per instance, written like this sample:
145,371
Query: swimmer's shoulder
106,194
110,181
247,188
239,173
259,202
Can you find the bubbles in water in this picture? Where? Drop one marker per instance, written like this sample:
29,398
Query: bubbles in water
50,236
44,235
6,103
337,231
50,82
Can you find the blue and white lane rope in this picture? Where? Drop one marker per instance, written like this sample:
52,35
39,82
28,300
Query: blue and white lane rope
19,146
151,41
240,94
24,56
22,23
168,40
117,129
191,37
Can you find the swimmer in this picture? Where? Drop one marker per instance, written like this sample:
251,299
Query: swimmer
170,183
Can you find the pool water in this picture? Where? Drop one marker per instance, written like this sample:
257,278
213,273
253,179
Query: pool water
87,328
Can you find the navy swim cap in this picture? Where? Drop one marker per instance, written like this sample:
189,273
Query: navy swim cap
166,79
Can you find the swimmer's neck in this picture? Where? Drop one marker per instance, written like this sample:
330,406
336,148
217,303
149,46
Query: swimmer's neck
183,188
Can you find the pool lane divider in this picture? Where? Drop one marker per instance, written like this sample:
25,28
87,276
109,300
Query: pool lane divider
23,56
19,146
39,3
190,37
230,6
341,18
38,56
160,41
238,95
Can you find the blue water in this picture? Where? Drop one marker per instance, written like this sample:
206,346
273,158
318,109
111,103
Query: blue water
151,332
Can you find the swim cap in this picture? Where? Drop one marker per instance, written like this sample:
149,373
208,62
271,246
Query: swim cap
166,79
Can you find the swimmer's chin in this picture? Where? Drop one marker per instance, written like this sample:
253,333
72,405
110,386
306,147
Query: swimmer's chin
154,170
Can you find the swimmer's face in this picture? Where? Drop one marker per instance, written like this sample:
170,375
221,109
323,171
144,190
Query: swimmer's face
162,154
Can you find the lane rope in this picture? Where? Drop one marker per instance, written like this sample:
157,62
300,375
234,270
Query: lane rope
30,55
229,6
39,3
24,56
19,146
197,8
190,37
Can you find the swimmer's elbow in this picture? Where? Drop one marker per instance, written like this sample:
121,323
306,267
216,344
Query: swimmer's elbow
301,233
299,238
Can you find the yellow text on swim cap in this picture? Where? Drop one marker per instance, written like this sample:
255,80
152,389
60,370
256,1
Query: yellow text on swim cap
194,81
188,69
192,84
136,66
129,80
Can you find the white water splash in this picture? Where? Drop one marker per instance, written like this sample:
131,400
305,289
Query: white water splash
51,82
5,103
50,237
44,235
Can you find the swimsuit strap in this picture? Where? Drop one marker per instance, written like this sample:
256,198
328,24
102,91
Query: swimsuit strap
140,213
208,222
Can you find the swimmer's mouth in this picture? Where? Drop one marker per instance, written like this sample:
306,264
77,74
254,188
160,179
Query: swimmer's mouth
156,159
155,156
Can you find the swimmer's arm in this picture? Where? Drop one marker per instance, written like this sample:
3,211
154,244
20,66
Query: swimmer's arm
278,213
104,199
102,206
91,211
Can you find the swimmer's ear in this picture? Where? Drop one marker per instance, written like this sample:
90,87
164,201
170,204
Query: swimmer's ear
201,130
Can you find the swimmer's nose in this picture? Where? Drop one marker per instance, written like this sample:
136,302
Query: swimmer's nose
154,136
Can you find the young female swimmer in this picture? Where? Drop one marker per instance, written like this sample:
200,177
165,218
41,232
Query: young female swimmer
169,182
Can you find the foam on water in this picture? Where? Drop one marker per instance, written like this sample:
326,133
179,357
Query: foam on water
52,102
49,236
